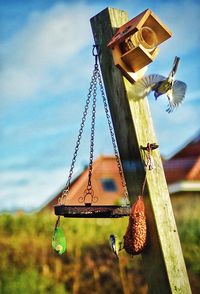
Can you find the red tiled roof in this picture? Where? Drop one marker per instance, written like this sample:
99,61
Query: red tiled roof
194,173
178,169
192,149
185,164
104,167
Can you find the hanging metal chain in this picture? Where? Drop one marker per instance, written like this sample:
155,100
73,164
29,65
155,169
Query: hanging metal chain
91,88
89,193
119,165
93,125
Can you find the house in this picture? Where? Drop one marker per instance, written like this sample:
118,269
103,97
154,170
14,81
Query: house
106,183
182,172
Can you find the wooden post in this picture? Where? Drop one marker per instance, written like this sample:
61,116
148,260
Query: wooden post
163,259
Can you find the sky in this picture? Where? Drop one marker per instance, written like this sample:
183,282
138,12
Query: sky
45,68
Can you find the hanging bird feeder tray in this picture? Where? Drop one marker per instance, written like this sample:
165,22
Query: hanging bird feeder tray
89,205
103,211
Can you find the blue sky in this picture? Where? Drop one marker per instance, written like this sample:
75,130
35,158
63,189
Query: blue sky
46,64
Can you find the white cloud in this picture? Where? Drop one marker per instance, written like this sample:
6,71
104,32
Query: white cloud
48,44
30,188
18,83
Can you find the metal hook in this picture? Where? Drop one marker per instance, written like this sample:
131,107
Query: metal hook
149,158
149,146
98,51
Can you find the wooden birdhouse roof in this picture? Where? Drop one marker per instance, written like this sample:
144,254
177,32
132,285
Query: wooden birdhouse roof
146,18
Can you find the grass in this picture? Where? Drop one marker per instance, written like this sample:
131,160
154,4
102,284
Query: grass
29,265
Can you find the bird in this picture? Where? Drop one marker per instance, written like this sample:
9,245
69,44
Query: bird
59,241
115,244
174,90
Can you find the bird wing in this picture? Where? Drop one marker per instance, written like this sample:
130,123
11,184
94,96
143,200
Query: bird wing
174,67
144,85
176,95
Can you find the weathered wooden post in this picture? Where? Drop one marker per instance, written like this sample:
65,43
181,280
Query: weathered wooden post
163,259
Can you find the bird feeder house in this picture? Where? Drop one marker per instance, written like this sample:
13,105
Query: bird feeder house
135,44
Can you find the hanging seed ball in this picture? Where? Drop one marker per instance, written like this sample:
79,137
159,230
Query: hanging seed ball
136,234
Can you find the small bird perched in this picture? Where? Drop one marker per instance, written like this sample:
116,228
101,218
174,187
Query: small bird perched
115,244
174,90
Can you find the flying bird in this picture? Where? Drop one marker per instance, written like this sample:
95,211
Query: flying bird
173,89
115,244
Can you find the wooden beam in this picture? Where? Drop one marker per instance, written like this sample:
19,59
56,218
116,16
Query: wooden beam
163,259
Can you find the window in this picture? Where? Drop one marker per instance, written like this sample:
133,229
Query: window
109,185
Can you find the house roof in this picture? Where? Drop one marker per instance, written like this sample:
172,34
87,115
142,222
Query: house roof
190,149
184,164
182,169
104,169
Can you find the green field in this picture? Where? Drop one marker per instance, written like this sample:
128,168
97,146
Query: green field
29,265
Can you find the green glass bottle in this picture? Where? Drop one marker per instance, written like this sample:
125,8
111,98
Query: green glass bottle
59,241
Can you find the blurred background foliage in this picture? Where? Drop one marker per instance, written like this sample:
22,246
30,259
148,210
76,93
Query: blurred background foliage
29,265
